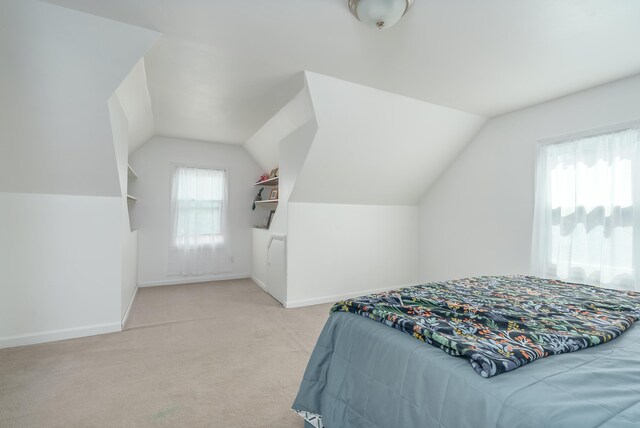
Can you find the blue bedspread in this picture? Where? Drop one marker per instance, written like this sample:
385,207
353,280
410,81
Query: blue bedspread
365,374
501,323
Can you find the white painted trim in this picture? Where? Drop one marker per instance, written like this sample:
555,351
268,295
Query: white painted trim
55,335
193,279
259,283
336,298
126,314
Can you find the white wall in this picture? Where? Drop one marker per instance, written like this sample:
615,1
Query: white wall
260,268
292,154
129,273
60,264
353,164
283,141
58,69
133,95
264,144
151,213
375,147
61,218
338,250
121,130
359,170
477,219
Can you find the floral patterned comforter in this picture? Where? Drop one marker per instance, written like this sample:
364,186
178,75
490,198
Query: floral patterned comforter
502,323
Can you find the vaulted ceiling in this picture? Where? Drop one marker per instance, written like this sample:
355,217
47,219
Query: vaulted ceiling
222,68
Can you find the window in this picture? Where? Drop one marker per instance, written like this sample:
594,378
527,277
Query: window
199,202
587,210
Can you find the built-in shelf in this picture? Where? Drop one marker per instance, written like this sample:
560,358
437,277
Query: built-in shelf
131,173
268,201
270,182
131,200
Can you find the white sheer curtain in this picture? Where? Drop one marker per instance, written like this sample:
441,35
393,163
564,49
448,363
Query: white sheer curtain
199,218
587,218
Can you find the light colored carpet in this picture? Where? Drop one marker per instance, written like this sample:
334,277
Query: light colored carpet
221,354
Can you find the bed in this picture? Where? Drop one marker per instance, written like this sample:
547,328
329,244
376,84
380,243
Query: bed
363,373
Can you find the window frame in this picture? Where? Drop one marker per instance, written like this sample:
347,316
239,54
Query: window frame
540,146
227,175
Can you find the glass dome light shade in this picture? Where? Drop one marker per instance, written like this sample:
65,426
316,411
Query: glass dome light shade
379,13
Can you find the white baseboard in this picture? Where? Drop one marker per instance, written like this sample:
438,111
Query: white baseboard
337,297
193,279
259,283
55,335
126,314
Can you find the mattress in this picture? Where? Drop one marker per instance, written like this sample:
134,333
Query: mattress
365,374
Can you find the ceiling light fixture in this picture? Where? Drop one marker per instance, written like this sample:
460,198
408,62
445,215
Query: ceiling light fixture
379,13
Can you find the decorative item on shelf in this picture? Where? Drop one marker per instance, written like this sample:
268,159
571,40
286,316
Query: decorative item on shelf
263,177
271,213
274,173
273,195
257,198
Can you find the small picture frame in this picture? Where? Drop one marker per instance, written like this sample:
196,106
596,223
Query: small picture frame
274,173
274,194
270,218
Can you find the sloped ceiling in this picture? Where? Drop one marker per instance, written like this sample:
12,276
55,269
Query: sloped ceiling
345,143
264,145
223,68
377,148
200,92
133,95
58,69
